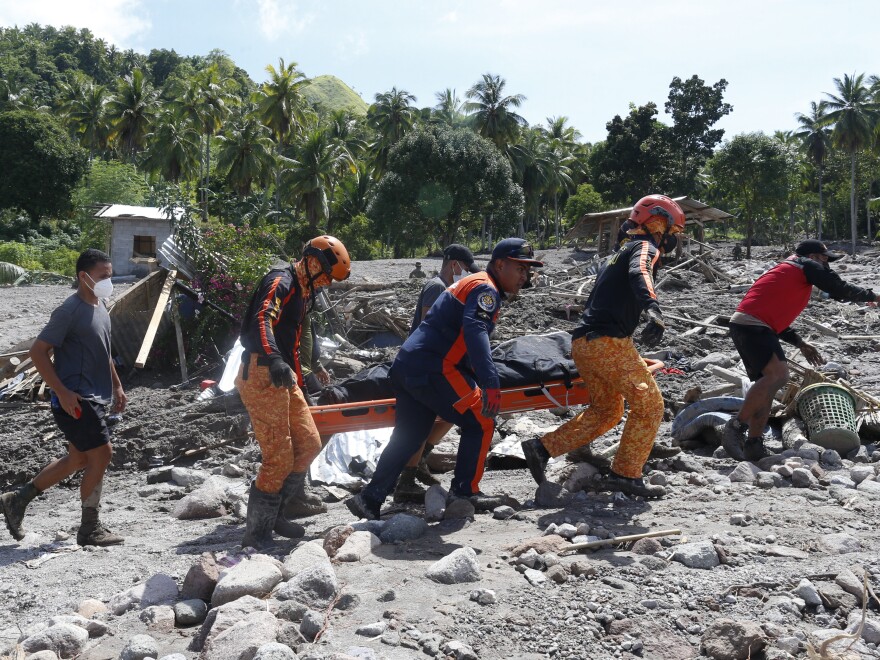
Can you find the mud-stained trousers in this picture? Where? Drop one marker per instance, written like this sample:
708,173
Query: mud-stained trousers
613,371
283,425
421,398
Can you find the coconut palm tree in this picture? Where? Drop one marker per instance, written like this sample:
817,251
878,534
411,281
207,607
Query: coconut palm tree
854,114
491,112
173,149
531,165
449,108
245,154
558,177
815,139
131,112
391,116
319,161
84,108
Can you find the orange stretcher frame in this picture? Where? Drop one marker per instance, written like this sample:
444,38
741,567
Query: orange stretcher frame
366,415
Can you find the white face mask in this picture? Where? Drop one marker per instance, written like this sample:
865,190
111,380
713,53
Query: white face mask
102,289
457,277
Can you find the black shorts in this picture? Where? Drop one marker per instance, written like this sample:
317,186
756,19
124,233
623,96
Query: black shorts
756,345
87,432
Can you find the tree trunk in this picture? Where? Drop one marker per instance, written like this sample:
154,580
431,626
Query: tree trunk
207,176
852,201
819,221
556,215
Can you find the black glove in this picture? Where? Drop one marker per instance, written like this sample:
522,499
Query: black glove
280,372
653,330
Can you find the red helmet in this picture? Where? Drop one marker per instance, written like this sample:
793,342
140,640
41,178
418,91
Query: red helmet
331,254
659,207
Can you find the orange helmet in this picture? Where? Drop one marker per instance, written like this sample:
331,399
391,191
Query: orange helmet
331,254
659,207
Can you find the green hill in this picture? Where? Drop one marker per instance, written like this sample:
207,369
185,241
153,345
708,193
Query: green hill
330,93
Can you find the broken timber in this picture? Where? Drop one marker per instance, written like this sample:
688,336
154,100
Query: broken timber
158,312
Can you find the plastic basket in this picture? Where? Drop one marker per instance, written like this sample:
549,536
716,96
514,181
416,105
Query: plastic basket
828,410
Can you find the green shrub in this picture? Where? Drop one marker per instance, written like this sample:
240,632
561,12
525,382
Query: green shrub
26,256
60,260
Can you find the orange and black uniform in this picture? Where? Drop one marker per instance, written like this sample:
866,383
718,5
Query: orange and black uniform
441,371
283,425
610,365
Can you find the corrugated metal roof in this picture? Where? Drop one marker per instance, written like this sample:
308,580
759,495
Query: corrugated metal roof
693,210
124,212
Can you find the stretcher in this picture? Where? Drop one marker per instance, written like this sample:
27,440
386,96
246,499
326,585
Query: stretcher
366,415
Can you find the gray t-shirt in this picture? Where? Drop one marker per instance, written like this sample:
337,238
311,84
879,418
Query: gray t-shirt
80,335
430,292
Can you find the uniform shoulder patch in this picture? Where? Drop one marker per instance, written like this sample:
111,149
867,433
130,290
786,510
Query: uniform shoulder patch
486,301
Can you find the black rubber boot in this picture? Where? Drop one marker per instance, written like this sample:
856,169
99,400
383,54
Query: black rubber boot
284,527
638,487
423,472
733,437
361,507
13,505
754,450
407,489
92,531
297,501
262,512
537,458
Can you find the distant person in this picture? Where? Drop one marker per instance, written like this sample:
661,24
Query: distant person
737,252
84,383
607,360
270,384
445,369
763,317
458,262
417,272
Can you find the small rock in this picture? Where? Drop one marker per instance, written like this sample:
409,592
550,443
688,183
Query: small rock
188,477
243,638
311,625
768,480
503,512
304,556
551,495
290,610
859,455
739,520
832,459
201,578
557,574
869,488
89,607
647,546
335,538
861,472
459,509
140,647
808,592
372,629
358,546
840,544
459,650
158,617
44,655
484,596
870,630
744,472
209,501
65,639
159,589
541,545
727,639
803,478
535,578
687,463
567,531
582,567
275,651
250,577
190,612
581,477
717,359
435,503
459,566
850,583
316,586
700,554
403,527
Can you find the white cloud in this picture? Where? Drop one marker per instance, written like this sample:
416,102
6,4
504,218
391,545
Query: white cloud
353,46
451,17
119,22
279,17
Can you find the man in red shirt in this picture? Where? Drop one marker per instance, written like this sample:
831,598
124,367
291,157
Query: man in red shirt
764,317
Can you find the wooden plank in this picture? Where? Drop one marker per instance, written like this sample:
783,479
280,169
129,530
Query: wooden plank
821,327
150,335
701,324
709,320
181,354
620,539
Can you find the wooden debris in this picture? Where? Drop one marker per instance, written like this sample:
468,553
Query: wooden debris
620,539
158,312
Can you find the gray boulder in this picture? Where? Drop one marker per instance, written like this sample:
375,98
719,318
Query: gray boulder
250,577
403,527
303,557
242,640
65,639
459,566
357,546
315,587
140,647
275,651
700,554
727,639
160,589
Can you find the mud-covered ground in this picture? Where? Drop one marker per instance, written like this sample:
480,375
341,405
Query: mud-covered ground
611,603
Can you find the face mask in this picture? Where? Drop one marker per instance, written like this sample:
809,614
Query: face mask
102,289
457,277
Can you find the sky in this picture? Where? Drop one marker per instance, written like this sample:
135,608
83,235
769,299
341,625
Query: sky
582,59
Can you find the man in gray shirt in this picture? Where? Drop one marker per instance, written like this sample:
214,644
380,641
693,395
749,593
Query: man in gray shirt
84,382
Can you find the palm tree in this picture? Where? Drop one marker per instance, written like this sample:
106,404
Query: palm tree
342,125
83,104
174,148
392,115
816,142
282,107
245,154
491,112
558,178
449,108
132,111
531,164
320,159
854,114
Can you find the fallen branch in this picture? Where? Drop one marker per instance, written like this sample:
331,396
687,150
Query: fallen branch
620,539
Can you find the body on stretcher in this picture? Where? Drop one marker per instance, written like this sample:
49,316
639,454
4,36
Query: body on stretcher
366,415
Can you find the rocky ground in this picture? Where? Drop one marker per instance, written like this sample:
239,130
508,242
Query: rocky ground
770,562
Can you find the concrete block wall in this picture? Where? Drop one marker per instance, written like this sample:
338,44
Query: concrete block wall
122,240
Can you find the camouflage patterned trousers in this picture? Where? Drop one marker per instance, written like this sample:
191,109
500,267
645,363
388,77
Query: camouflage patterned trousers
283,426
613,372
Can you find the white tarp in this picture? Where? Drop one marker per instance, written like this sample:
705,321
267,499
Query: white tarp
349,459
